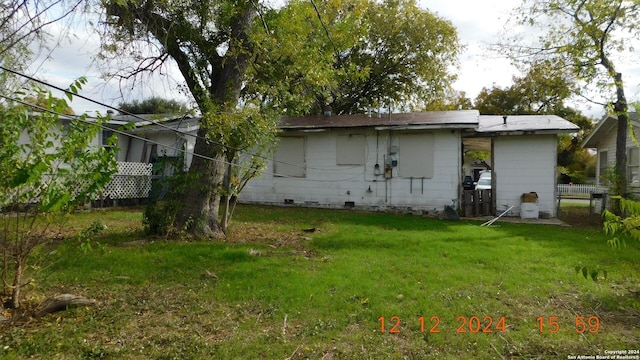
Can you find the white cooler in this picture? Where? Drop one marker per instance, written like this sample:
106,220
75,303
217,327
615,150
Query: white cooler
529,211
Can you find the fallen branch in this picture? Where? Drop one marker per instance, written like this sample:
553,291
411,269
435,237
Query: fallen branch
62,302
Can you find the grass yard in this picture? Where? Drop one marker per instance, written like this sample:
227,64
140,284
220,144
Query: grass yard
439,289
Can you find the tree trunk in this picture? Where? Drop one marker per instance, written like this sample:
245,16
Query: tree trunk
620,108
201,197
17,280
201,200
62,302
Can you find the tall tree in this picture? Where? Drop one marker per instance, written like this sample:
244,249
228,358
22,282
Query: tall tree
586,36
209,41
353,55
283,61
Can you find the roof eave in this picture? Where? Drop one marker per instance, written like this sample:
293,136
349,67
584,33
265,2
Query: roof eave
529,132
426,127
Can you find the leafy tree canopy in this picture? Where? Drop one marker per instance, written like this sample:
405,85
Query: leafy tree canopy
153,105
541,91
211,43
352,55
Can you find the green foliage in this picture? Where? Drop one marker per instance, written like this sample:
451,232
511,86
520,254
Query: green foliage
159,216
153,105
210,42
479,155
626,226
541,91
160,213
595,274
352,55
86,237
49,166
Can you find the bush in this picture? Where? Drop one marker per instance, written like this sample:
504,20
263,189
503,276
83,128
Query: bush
48,167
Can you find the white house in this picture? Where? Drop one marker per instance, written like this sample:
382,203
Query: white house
408,161
603,140
154,136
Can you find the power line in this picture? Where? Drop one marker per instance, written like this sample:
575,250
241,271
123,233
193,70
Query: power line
79,118
175,130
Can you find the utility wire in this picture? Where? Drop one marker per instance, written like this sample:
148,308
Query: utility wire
79,118
175,130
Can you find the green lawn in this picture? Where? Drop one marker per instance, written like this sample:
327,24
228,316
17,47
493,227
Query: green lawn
444,289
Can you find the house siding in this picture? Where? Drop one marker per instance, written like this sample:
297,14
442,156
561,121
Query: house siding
329,185
608,144
525,164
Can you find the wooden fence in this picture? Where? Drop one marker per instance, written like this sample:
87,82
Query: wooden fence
477,203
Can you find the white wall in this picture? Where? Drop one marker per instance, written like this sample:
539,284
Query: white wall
608,144
524,164
58,132
328,184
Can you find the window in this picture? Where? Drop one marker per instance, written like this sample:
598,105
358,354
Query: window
350,149
633,165
289,159
603,166
106,134
416,156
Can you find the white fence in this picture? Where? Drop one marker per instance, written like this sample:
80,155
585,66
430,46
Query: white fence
580,189
132,181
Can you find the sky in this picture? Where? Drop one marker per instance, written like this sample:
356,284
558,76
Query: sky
479,24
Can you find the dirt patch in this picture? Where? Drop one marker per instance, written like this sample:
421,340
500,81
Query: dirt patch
243,233
578,216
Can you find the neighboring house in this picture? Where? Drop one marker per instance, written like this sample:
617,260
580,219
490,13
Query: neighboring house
603,140
409,162
155,145
154,137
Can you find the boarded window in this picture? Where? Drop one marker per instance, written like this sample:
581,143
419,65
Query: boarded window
416,156
289,159
350,150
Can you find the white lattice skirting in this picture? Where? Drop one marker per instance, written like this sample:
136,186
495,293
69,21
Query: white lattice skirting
132,181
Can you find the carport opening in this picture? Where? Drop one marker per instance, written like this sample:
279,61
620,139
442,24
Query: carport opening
478,183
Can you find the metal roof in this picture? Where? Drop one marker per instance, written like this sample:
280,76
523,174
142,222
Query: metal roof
524,124
418,120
